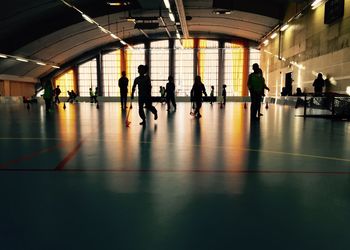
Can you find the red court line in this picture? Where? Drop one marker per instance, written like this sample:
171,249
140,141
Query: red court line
63,163
200,171
29,156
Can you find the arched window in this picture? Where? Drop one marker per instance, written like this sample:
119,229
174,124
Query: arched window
66,82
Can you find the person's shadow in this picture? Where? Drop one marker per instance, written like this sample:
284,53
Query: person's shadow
254,145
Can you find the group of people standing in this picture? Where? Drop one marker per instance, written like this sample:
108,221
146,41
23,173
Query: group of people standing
256,86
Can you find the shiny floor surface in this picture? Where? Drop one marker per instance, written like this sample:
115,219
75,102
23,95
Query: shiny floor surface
78,178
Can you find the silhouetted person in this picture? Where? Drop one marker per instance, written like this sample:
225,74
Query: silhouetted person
224,93
318,85
256,86
71,96
162,94
93,95
145,95
170,92
123,86
299,92
57,92
48,94
212,94
197,90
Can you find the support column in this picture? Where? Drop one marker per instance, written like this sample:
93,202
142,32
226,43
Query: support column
75,79
245,70
148,56
196,58
221,67
99,74
7,88
172,57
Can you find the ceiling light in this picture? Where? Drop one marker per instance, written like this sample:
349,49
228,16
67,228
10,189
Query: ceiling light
87,18
130,19
114,36
284,27
122,42
266,42
3,56
114,4
167,4
54,66
41,63
172,17
222,12
21,59
103,29
273,35
316,3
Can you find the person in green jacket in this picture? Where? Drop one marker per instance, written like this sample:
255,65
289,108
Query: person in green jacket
256,86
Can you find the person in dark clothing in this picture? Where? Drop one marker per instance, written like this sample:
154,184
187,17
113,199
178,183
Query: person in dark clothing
71,96
197,90
318,85
224,93
57,92
95,95
212,94
123,86
256,85
145,97
48,94
170,92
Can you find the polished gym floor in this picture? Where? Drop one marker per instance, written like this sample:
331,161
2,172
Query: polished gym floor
78,178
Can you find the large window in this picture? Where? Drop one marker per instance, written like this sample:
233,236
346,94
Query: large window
87,77
134,58
184,67
209,64
66,82
254,57
111,73
233,76
159,65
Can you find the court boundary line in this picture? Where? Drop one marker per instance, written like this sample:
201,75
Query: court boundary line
180,171
210,147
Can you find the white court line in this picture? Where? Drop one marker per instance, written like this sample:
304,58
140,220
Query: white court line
192,145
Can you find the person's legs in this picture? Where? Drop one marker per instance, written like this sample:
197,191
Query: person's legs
168,102
142,112
48,105
254,106
198,107
152,109
172,98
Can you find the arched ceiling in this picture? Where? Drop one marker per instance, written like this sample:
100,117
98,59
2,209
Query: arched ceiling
50,31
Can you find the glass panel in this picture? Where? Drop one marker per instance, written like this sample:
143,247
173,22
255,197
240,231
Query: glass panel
184,67
254,57
209,64
111,73
66,82
159,65
134,57
233,75
87,77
